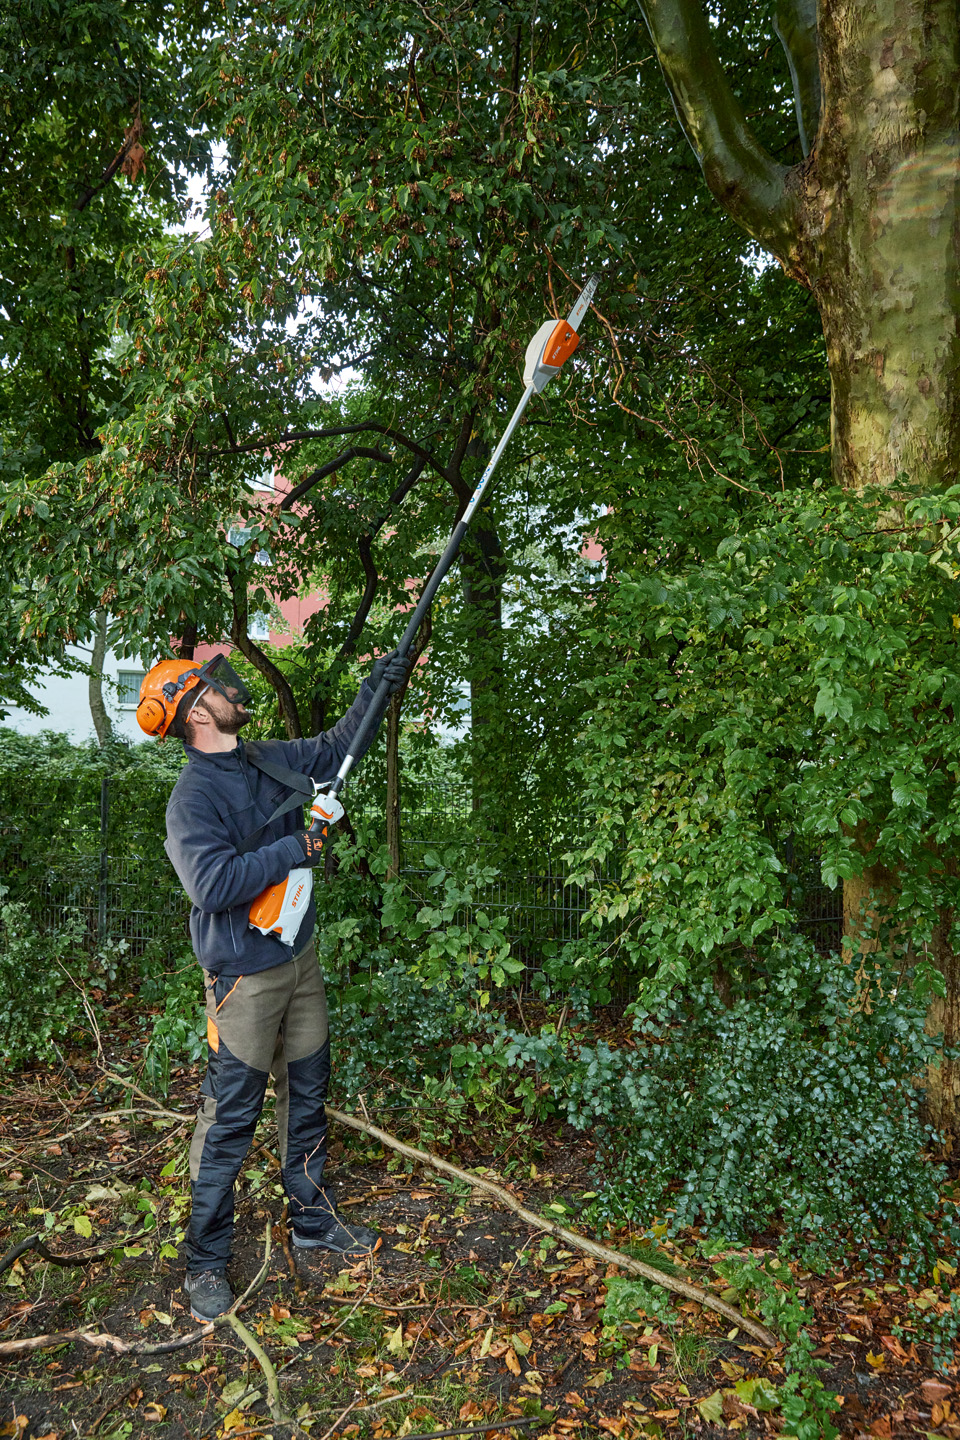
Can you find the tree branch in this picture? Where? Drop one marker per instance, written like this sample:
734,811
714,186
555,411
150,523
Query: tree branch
795,25
314,478
262,662
372,580
746,180
109,173
106,1341
365,427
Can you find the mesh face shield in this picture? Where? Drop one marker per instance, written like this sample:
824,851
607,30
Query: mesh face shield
219,674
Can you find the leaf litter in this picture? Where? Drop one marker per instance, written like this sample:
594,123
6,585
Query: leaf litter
461,1319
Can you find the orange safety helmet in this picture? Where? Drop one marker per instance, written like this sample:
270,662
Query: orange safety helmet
167,683
161,692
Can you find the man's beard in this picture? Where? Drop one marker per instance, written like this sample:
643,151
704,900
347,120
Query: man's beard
234,722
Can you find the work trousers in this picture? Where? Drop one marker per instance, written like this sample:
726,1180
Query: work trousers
271,1023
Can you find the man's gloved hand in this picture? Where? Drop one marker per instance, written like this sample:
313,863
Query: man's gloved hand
325,811
392,667
312,847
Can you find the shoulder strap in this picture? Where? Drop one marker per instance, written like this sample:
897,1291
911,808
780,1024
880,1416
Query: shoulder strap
296,781
301,785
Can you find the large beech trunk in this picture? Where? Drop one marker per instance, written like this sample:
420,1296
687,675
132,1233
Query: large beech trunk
868,221
878,238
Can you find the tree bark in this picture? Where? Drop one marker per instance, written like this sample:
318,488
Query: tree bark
880,241
102,723
188,639
942,1090
870,221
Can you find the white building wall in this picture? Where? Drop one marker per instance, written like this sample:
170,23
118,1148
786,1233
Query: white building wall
65,698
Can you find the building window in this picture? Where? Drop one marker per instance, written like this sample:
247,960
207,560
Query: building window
238,535
265,480
258,626
128,688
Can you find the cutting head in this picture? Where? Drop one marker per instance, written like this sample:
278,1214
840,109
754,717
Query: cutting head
556,341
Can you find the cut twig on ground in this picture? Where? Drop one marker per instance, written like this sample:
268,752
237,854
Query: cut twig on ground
263,1360
82,1257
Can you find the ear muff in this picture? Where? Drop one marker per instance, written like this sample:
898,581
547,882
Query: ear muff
150,716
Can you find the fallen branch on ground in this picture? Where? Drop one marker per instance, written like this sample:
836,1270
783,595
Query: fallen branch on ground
580,1242
515,1424
263,1360
104,1341
35,1242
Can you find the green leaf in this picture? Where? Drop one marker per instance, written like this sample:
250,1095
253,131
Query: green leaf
711,1407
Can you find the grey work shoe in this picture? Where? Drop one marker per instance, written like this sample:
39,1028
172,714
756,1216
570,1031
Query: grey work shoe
210,1293
354,1241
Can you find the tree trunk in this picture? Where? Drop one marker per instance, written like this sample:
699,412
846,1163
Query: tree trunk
881,248
102,723
943,1076
870,222
880,239
188,639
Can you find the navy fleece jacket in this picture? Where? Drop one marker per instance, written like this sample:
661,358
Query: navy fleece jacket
220,799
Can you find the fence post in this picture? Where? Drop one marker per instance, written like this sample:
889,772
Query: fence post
104,859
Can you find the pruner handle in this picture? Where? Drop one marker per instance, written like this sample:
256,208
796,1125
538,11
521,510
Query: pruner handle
325,811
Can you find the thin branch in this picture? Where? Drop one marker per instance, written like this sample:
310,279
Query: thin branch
155,1114
263,1360
795,25
743,176
372,580
262,662
109,173
569,1237
517,1423
81,1258
366,427
105,1341
314,478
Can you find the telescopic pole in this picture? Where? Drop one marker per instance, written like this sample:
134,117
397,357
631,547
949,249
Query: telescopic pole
553,343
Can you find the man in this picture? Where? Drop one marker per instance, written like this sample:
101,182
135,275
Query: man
235,829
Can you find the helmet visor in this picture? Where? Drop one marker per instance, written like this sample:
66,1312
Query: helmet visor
218,673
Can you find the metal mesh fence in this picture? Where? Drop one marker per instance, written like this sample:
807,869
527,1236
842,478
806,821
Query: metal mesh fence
108,864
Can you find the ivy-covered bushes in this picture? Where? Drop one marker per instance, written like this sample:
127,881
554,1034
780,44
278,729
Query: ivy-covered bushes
792,1109
796,673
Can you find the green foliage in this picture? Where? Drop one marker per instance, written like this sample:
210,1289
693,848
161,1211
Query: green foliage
38,969
180,1030
935,1322
807,1404
51,814
627,1299
97,130
802,677
794,1107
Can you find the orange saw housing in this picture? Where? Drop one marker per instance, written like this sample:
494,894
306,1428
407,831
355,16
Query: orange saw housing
561,345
